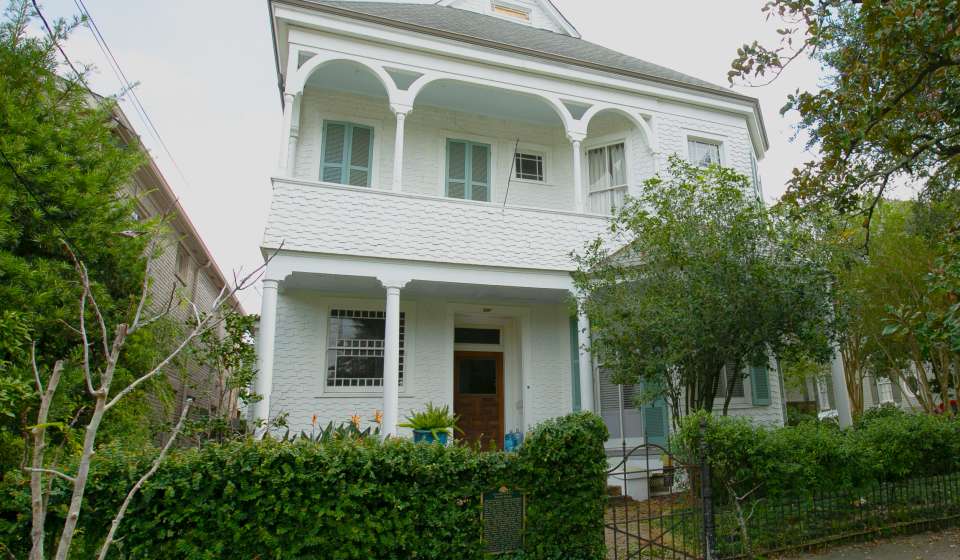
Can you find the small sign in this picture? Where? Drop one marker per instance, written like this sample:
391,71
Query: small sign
503,520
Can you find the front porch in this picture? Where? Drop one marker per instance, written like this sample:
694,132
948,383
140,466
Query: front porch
345,336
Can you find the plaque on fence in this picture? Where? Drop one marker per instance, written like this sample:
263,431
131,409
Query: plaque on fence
503,520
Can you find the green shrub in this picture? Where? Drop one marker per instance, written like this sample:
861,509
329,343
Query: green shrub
341,499
817,457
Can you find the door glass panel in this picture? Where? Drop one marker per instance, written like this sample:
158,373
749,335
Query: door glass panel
478,376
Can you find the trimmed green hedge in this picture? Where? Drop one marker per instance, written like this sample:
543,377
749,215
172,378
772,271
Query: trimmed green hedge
341,500
817,457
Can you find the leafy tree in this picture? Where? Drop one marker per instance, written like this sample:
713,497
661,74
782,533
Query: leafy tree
889,275
696,274
889,108
62,173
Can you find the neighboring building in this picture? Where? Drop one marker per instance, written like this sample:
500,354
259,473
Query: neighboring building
184,271
817,396
439,163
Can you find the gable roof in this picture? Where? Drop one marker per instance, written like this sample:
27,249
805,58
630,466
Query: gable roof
475,27
547,6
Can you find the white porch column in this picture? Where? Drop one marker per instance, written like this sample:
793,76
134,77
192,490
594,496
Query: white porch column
282,164
391,358
401,111
578,195
841,399
586,362
294,137
265,344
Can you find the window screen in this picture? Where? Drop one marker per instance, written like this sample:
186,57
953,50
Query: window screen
355,347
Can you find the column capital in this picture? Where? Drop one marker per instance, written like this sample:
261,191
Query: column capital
394,281
576,137
400,109
270,284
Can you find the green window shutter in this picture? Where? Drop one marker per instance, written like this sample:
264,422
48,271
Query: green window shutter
656,421
468,170
347,156
575,363
760,385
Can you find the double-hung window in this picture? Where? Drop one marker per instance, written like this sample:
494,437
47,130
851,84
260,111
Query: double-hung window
731,375
607,167
704,154
347,154
468,170
355,348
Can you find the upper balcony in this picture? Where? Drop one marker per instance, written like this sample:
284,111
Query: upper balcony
348,121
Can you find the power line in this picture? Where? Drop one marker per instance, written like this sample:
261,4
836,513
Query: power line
53,39
128,86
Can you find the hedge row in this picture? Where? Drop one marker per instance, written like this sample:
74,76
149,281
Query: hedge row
817,457
340,500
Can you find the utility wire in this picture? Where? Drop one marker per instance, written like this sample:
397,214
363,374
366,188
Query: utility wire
53,39
127,85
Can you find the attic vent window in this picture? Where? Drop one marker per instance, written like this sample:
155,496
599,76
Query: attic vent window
511,11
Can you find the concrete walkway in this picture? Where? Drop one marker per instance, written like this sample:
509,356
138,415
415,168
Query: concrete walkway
942,545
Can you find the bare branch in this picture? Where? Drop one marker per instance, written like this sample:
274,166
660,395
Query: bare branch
54,472
145,287
87,374
38,433
136,487
36,370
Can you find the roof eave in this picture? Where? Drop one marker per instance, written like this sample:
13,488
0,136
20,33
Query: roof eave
479,41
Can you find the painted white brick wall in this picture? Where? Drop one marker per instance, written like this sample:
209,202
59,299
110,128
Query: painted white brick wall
356,221
299,388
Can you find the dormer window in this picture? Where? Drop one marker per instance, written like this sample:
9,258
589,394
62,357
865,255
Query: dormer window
511,11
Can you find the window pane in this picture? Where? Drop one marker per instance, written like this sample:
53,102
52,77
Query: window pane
456,190
355,348
480,193
618,165
529,167
457,161
476,336
478,376
480,165
704,154
333,143
597,166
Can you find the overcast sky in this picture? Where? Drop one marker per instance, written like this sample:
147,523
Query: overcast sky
207,79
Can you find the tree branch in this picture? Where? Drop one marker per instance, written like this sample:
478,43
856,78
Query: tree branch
38,432
54,472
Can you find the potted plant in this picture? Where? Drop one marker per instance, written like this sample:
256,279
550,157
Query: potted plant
433,424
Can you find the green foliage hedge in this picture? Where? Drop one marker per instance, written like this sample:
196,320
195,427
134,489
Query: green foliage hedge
356,499
817,457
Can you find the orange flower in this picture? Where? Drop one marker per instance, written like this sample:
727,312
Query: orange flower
313,420
355,420
378,416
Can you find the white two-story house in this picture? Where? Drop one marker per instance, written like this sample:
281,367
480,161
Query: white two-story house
438,164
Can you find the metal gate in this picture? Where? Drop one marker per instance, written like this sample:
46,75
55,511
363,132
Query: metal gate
659,507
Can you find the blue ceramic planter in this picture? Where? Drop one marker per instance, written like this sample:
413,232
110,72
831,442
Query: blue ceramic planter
426,436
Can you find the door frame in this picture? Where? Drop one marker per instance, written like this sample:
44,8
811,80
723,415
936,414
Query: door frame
501,389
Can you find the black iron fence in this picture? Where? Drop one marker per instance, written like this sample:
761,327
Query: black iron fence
662,508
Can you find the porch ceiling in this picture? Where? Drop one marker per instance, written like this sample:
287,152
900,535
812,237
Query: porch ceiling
421,289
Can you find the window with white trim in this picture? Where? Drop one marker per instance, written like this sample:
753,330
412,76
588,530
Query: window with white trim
528,166
347,154
704,153
725,376
607,166
355,348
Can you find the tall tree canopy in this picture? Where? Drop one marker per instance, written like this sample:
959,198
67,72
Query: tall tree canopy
62,173
696,274
889,107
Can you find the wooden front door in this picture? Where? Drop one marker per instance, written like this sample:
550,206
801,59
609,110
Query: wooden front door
478,396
